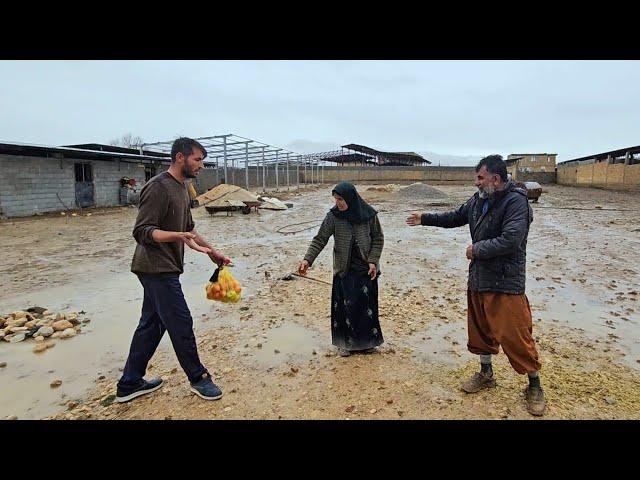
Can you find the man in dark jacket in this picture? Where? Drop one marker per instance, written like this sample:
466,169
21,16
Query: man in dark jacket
499,216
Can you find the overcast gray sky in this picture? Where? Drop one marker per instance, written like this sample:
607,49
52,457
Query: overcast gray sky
462,108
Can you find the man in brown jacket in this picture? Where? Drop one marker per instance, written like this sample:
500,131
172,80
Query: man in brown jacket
163,227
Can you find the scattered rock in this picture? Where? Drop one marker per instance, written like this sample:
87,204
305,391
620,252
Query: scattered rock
19,314
17,338
56,383
41,347
12,417
50,344
350,408
3,364
56,335
372,411
37,310
610,400
108,400
276,351
17,329
72,405
45,331
68,333
61,325
389,401
16,323
295,369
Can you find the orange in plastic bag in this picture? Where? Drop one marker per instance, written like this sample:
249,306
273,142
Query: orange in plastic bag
223,287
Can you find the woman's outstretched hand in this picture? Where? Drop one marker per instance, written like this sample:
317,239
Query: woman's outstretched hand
303,266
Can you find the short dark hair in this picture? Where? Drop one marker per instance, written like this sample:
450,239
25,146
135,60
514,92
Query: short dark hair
185,146
495,165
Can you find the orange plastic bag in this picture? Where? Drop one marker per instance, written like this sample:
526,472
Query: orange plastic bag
223,287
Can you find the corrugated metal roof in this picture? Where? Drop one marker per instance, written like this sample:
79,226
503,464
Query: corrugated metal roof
601,156
114,148
17,148
408,156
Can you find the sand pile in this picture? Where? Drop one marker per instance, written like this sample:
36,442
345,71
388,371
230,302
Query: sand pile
420,191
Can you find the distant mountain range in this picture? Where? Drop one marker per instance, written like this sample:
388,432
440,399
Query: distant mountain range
450,160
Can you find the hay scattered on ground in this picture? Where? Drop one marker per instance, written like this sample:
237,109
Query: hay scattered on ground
572,391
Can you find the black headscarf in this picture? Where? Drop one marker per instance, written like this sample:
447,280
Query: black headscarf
359,211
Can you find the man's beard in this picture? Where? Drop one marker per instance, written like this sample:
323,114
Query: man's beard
188,173
486,192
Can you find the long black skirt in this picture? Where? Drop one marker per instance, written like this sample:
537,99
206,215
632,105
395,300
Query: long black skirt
354,312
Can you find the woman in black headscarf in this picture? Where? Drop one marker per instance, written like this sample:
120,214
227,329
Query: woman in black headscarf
358,242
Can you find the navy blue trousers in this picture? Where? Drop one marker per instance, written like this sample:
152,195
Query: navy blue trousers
163,309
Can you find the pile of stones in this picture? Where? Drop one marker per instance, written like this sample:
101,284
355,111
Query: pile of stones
40,325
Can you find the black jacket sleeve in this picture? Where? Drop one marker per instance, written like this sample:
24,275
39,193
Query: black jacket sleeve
452,219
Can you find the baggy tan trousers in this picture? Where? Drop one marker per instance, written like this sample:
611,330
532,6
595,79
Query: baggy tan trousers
500,319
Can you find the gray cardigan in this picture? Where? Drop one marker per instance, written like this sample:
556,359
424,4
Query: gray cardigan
368,236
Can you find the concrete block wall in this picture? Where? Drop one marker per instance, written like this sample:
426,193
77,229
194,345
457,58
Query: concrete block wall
632,176
32,185
106,180
541,177
599,174
584,175
616,176
567,175
207,178
399,174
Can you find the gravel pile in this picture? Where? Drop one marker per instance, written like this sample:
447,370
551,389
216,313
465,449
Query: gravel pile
420,191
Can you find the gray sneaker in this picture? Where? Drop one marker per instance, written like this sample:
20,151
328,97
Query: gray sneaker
536,403
478,382
125,394
206,389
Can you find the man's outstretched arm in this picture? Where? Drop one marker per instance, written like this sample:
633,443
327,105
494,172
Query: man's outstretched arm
452,219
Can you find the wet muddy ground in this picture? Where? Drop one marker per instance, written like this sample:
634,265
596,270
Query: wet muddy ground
271,353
